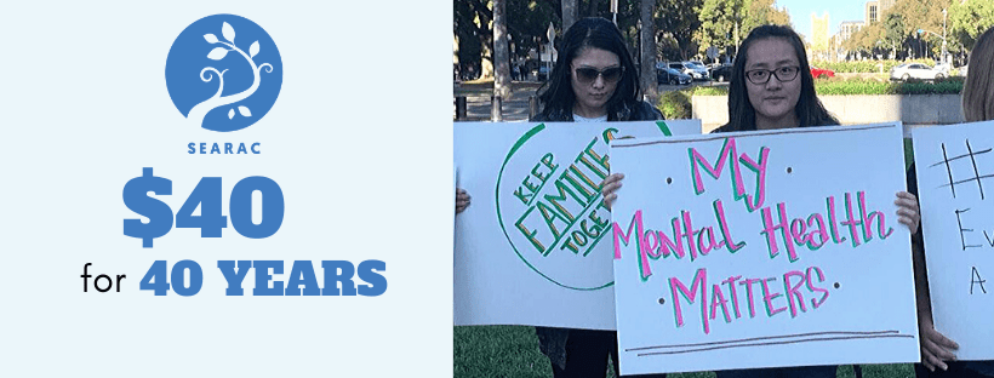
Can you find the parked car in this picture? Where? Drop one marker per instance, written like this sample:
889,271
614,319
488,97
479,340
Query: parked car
695,72
919,71
671,76
722,72
543,73
945,68
821,73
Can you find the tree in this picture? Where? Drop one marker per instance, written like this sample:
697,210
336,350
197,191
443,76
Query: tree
647,42
676,23
594,9
866,39
719,21
894,31
924,15
569,13
762,12
502,59
526,23
968,20
471,25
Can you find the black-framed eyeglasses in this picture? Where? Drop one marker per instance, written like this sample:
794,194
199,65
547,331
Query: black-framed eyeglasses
586,75
761,76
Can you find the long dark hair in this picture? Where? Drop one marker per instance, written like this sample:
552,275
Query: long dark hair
557,94
741,114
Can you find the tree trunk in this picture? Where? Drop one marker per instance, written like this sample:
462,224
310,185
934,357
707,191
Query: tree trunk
647,78
593,10
502,58
569,13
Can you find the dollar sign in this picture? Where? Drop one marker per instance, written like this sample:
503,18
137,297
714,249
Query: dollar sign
160,216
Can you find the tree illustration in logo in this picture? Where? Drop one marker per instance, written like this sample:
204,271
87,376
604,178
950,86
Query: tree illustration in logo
207,74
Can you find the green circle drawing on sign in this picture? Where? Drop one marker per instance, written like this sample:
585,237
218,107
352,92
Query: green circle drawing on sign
551,211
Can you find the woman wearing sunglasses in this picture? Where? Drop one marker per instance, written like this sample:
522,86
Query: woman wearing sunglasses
594,80
772,88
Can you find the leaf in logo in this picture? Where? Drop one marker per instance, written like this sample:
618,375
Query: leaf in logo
211,38
228,32
231,114
244,111
217,54
254,49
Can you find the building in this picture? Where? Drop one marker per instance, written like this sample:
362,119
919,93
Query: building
819,32
848,28
874,10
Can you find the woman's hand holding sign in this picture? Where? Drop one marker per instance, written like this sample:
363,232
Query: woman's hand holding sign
907,210
611,185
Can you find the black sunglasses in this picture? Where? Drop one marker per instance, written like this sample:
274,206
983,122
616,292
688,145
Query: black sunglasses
587,75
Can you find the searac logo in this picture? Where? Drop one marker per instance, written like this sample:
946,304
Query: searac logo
224,73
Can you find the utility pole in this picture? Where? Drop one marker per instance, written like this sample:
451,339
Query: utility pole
614,12
944,51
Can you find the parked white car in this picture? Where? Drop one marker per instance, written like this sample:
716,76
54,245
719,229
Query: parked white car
690,69
918,71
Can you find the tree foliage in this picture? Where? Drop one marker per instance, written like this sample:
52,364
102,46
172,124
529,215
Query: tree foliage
718,21
762,12
676,22
527,21
894,31
968,20
900,24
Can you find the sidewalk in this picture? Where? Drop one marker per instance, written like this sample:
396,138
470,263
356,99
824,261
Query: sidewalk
478,95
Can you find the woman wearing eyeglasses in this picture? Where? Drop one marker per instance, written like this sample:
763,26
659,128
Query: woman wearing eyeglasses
772,88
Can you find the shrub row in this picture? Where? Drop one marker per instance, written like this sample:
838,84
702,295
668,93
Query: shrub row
866,66
865,87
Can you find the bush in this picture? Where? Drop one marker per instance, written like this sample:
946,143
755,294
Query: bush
675,104
944,86
866,66
838,87
710,91
854,87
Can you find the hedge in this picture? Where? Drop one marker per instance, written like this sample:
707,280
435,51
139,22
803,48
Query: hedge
867,66
675,104
865,87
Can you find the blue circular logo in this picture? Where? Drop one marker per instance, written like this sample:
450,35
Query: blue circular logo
224,73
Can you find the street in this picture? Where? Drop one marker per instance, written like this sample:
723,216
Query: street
516,109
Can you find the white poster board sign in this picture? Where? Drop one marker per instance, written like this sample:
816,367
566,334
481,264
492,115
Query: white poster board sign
530,248
763,249
954,166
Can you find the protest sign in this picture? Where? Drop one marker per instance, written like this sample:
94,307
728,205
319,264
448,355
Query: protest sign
531,248
954,164
762,249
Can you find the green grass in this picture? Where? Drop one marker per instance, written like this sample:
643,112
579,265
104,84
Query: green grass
512,351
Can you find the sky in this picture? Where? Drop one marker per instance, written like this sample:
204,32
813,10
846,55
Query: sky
838,10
